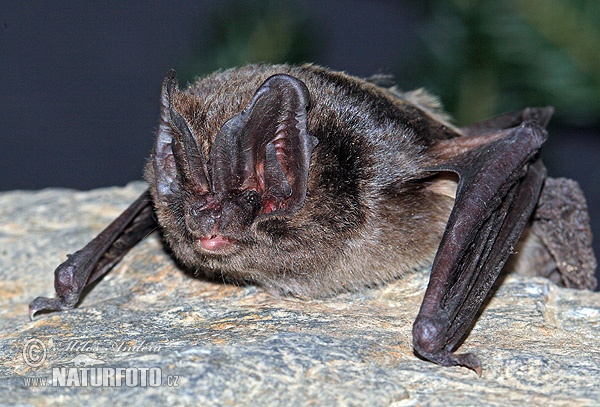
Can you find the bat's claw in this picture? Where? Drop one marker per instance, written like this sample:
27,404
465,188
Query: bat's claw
45,304
429,341
445,358
467,360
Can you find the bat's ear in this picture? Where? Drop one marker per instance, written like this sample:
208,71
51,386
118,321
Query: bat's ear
266,147
177,156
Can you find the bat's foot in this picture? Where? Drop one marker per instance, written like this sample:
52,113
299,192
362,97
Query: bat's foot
429,341
445,358
47,305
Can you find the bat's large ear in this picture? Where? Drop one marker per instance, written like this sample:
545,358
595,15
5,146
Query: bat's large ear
266,147
177,156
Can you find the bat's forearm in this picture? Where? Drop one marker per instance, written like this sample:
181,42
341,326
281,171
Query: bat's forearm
98,256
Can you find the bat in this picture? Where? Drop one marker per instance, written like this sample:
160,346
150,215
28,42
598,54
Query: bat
310,182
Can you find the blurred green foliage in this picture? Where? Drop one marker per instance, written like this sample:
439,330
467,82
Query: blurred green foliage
245,32
487,56
482,57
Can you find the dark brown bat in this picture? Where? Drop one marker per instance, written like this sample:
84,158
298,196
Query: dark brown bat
311,182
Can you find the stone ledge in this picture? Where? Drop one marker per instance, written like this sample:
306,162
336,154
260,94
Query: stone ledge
539,344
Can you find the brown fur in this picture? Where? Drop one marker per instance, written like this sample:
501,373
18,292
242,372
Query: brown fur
360,225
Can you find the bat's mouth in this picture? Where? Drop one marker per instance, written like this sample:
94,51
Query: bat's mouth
216,244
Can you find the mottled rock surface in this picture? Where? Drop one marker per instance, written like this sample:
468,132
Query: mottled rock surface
229,345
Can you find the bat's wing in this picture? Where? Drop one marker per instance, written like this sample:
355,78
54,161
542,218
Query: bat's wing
87,265
501,177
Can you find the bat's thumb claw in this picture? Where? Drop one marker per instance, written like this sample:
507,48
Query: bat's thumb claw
429,341
44,304
469,361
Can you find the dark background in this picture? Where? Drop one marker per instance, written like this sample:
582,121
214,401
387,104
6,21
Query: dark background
79,81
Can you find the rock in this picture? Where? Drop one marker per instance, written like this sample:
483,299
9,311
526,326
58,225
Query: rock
217,344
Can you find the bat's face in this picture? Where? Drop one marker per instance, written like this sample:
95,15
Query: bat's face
236,198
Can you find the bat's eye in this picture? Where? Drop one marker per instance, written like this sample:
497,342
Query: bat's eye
252,198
